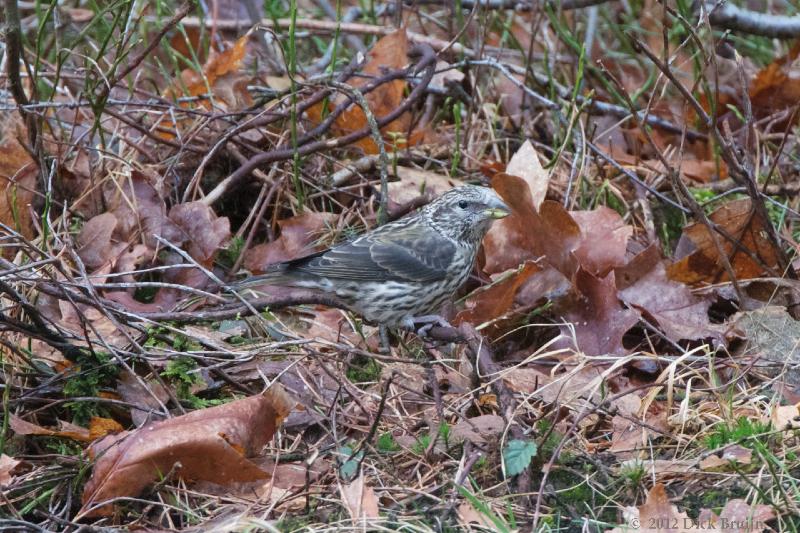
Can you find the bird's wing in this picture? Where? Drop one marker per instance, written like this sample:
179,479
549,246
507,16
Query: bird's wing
404,253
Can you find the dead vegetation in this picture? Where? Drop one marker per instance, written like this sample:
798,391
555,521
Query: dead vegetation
623,358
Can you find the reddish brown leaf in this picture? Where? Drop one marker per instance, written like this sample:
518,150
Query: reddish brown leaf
210,444
551,233
738,516
657,515
17,187
495,301
777,86
221,75
94,240
298,234
389,53
193,83
145,398
698,260
604,240
201,229
598,321
671,306
8,467
138,207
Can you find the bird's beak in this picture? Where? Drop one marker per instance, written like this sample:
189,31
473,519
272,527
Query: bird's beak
497,209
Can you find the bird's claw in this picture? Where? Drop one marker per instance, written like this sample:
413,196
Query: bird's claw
428,322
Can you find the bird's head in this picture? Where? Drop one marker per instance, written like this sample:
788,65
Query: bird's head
465,213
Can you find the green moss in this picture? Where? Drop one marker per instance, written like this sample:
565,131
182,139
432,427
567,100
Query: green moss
182,373
386,443
92,371
743,431
363,370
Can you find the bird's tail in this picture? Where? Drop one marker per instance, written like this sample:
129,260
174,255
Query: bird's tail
273,276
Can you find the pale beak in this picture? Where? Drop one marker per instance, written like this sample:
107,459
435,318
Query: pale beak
497,209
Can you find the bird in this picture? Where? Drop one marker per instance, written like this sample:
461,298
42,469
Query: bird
400,274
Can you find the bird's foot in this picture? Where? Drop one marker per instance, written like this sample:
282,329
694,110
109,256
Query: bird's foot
386,346
428,322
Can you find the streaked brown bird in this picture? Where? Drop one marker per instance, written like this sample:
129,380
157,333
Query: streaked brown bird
401,273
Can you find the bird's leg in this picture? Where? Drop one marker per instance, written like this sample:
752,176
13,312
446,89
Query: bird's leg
383,331
428,322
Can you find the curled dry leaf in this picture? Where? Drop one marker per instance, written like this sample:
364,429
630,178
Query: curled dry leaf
208,444
65,429
752,256
221,74
8,468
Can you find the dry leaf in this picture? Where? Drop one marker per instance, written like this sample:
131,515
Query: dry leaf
201,230
18,175
297,237
658,515
597,320
8,466
468,515
731,454
698,261
786,417
526,165
208,444
495,301
480,430
738,516
389,53
65,429
94,240
360,500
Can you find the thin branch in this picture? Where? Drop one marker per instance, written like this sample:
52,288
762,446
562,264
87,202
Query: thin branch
731,17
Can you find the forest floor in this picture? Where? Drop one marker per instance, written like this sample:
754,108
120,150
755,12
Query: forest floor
623,358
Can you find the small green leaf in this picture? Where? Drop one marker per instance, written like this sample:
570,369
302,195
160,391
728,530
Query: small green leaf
349,462
517,455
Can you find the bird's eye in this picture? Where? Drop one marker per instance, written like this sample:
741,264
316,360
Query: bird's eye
463,204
